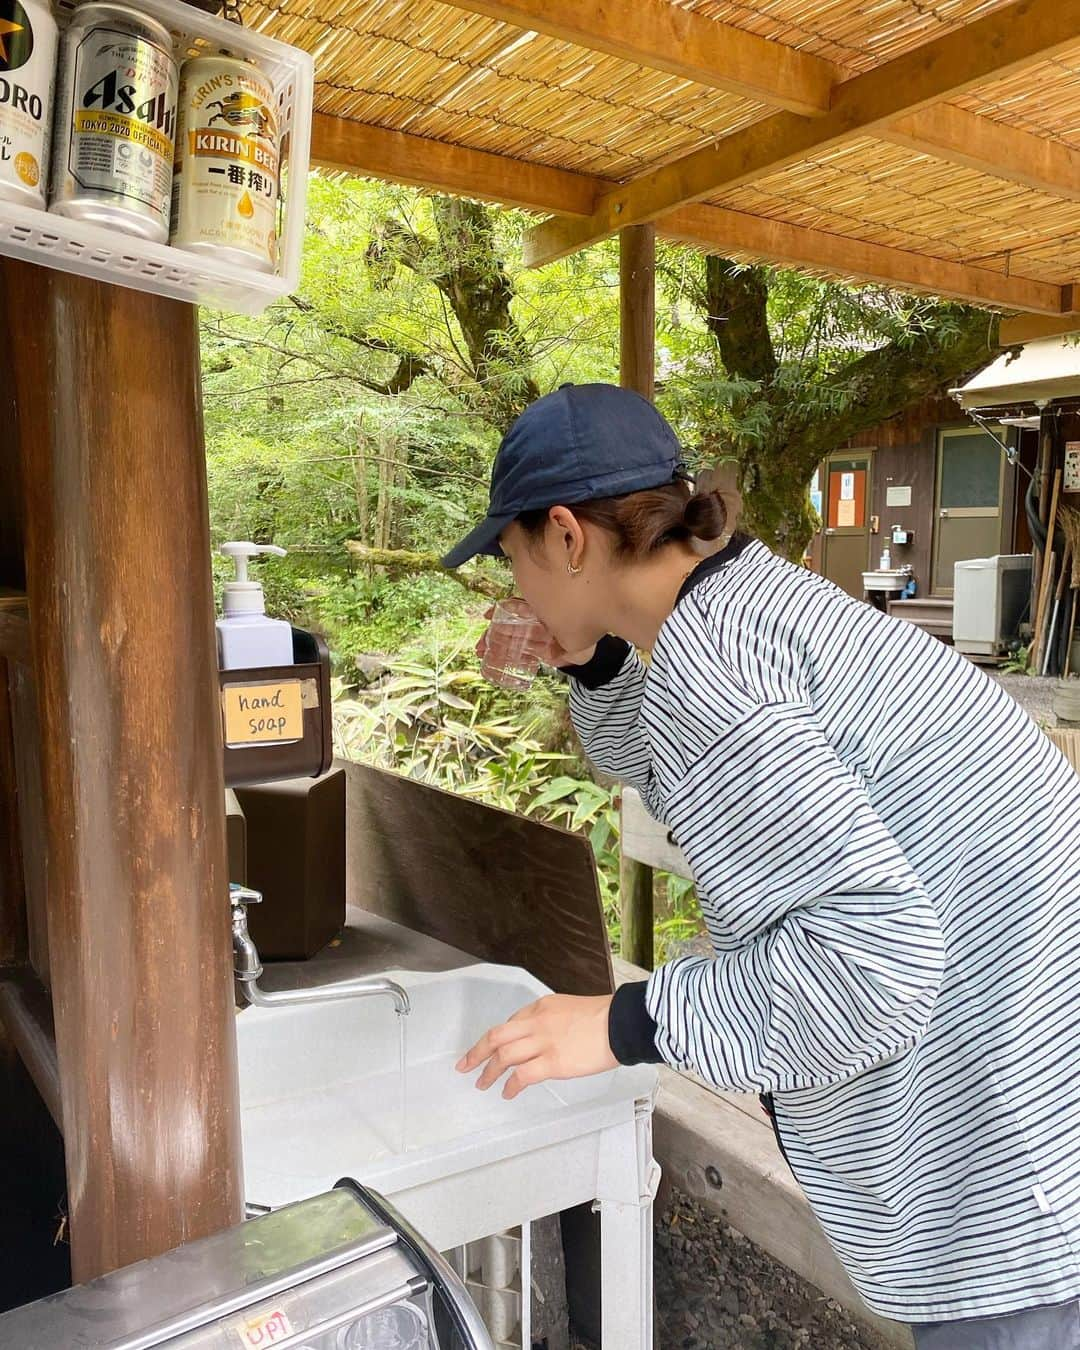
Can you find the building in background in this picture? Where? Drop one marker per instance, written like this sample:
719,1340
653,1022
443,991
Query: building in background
954,487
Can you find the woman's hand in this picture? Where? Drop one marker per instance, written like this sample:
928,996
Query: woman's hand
561,1036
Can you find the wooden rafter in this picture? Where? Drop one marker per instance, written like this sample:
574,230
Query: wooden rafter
716,229
963,137
998,44
1029,327
662,36
340,144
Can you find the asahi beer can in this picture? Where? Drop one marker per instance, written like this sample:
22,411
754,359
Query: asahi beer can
27,63
225,175
115,121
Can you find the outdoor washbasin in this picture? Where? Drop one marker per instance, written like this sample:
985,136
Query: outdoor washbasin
321,1088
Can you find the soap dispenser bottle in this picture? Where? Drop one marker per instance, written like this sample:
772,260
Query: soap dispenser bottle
246,636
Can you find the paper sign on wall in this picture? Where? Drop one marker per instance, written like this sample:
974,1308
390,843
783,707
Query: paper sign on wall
898,496
263,714
847,487
845,513
1070,479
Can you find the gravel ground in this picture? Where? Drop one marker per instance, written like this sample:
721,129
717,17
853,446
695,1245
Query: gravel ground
1033,693
716,1291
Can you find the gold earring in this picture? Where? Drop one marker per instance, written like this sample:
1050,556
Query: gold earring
572,569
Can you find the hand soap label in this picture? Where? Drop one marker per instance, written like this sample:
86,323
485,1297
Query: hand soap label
263,714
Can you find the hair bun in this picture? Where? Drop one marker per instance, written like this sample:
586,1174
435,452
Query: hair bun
705,515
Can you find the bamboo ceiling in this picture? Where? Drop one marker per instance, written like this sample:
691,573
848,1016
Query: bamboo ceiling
933,144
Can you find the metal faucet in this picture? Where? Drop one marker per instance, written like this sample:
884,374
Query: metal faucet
247,969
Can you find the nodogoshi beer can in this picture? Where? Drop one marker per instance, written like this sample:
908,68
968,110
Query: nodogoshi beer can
225,175
115,121
27,63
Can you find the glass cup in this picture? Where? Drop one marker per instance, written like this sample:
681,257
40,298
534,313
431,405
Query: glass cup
515,645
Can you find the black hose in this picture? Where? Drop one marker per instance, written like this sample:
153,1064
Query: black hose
1035,525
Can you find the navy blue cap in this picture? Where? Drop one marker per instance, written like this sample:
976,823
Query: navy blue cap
582,442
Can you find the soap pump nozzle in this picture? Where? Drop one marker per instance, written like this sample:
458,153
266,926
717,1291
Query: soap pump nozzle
241,596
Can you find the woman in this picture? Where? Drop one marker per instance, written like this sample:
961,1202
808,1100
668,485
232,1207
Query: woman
886,852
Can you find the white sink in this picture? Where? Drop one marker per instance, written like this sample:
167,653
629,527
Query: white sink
320,1089
891,579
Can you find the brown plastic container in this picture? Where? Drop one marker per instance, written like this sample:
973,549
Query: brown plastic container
311,752
296,858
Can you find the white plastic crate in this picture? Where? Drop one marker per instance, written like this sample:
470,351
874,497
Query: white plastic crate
108,255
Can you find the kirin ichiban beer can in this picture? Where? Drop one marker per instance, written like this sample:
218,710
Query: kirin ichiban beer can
27,63
115,121
225,176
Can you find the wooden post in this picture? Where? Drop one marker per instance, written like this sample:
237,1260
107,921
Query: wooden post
637,360
1043,475
636,912
103,412
637,308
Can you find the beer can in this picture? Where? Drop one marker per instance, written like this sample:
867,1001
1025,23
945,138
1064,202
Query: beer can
115,121
27,63
225,174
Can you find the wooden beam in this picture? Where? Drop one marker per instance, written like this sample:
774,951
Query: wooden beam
26,1015
117,546
990,147
998,44
14,626
355,147
30,802
661,36
719,230
14,942
945,132
1031,327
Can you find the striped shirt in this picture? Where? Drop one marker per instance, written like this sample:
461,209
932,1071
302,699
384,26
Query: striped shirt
887,854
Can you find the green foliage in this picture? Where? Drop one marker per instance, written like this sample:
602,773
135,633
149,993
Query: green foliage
1018,662
678,916
379,615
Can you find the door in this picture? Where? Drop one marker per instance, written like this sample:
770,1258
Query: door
846,545
970,477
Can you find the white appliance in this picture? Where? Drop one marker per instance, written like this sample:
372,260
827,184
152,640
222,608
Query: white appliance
990,598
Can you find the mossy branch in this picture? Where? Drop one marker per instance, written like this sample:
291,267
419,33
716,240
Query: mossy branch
406,560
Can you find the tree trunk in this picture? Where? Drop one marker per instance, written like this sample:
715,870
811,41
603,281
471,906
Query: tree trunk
360,487
384,505
465,264
792,429
776,501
